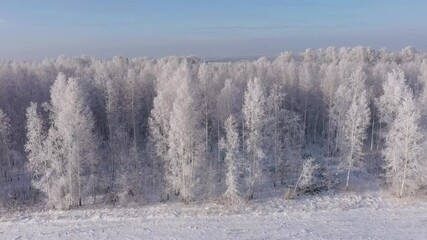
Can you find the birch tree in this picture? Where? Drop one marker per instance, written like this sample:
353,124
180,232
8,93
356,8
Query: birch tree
230,145
186,139
284,134
404,162
356,125
37,159
168,81
350,116
70,148
394,88
254,115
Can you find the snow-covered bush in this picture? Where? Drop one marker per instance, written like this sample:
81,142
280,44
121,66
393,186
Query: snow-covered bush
306,179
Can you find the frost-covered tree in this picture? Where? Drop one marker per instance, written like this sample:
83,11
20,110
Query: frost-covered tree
388,104
135,105
75,125
186,140
284,133
118,140
306,84
159,126
230,145
5,154
404,163
209,90
70,148
254,114
337,113
205,74
356,125
125,136
349,89
274,104
37,158
328,85
350,116
306,177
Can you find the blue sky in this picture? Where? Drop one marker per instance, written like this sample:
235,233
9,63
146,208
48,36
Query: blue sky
33,30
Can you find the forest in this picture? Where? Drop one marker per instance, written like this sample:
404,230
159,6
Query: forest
82,131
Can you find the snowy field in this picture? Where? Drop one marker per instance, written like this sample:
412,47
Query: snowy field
343,216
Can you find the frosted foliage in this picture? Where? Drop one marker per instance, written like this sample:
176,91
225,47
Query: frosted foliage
394,88
34,146
228,100
307,174
5,150
68,154
254,114
79,130
350,119
404,163
230,145
185,140
356,124
305,179
4,124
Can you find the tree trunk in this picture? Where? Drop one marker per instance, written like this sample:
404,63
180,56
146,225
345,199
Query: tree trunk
406,163
379,136
206,129
276,160
219,154
350,159
78,181
348,178
305,118
134,124
328,144
372,131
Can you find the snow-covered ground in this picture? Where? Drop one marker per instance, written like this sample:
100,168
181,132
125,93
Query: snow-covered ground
342,216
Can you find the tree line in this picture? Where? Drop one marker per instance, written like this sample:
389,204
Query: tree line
77,130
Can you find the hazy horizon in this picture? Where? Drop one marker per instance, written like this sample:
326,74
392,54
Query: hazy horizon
220,29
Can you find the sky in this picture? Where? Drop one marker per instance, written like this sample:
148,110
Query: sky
34,30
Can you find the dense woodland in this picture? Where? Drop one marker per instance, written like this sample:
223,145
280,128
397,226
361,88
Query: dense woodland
77,130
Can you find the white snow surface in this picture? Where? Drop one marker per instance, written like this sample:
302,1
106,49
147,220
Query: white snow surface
341,216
